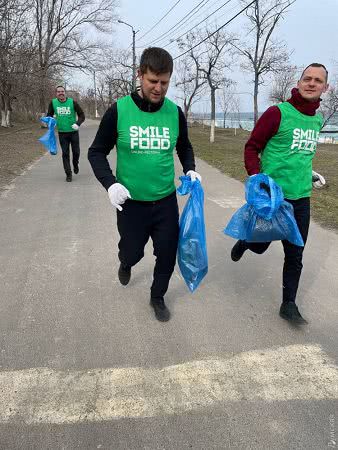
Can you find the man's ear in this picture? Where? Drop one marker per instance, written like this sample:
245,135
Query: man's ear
139,74
326,88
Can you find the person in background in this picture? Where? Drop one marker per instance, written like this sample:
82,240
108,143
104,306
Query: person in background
69,116
145,127
282,145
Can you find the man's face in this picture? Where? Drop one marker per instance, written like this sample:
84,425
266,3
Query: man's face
60,94
154,86
313,83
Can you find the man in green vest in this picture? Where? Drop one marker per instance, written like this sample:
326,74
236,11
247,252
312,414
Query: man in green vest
145,127
282,145
65,110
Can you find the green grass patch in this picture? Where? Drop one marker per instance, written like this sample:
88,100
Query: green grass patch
226,154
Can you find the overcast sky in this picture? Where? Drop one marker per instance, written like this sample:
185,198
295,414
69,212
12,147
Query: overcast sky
309,28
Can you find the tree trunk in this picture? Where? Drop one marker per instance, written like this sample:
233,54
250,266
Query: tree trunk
186,108
42,101
6,118
256,99
213,115
42,91
110,95
3,118
5,112
9,117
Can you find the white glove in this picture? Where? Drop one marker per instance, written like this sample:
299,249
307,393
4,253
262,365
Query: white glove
318,181
75,126
118,194
194,175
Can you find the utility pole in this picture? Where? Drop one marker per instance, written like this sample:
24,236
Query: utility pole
134,53
134,62
95,98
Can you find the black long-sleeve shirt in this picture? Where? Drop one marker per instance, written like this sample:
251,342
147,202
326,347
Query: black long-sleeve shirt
79,111
107,134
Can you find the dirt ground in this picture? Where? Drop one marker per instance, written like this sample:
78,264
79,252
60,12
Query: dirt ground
19,147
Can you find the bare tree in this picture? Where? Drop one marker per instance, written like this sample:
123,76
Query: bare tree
211,62
264,55
61,34
283,82
226,101
16,54
236,107
88,101
213,68
115,79
329,105
189,82
121,74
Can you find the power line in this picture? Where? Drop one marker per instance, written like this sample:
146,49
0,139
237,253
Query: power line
191,13
177,25
216,31
182,22
160,20
206,18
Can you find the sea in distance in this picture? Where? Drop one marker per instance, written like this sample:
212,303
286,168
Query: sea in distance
245,121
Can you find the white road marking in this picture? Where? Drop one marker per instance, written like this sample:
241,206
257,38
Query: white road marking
228,202
43,395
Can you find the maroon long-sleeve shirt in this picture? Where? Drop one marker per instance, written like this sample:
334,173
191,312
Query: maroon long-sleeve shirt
267,126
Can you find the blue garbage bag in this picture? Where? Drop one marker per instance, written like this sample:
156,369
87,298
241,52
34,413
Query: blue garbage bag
192,254
266,216
49,138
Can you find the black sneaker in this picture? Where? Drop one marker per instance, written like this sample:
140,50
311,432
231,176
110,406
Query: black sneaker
76,168
238,250
69,178
124,274
162,313
290,312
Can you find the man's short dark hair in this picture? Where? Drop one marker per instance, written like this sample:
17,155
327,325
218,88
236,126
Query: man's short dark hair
60,86
156,60
316,65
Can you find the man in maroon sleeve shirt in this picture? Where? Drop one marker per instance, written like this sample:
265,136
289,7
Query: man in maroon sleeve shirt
273,144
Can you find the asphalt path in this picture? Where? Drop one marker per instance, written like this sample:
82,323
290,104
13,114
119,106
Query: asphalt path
84,364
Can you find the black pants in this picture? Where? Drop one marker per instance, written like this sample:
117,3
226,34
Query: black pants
67,139
159,220
293,254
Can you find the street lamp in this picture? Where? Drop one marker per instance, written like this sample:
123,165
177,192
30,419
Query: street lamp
134,54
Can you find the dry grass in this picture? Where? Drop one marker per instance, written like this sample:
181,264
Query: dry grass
18,148
226,154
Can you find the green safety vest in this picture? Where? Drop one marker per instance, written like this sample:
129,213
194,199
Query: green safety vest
65,114
145,144
287,157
